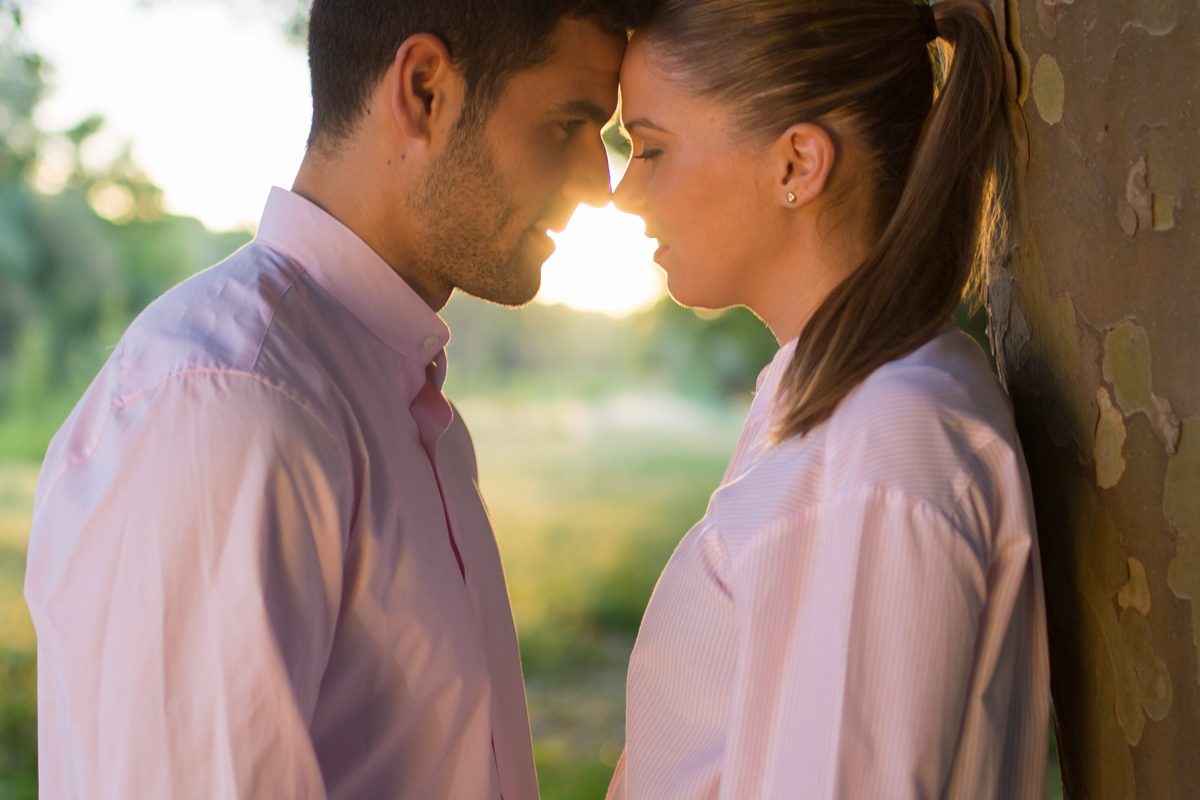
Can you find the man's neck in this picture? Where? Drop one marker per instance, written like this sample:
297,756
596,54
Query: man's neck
365,201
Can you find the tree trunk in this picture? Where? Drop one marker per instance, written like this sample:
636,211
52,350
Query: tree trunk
1095,321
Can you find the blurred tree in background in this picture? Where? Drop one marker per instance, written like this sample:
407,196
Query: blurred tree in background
77,262
84,249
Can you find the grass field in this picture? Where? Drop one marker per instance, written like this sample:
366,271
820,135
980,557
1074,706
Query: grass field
588,500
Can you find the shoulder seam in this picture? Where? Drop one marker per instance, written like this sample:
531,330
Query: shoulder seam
955,540
296,272
123,402
120,403
810,508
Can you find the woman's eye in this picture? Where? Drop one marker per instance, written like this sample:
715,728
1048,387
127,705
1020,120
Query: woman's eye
647,154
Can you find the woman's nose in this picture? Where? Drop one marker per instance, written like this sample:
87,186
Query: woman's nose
626,197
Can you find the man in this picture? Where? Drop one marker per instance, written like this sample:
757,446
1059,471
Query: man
259,564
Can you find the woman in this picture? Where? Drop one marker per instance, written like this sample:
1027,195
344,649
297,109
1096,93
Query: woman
859,613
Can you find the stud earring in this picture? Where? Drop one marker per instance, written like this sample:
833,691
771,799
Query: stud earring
791,197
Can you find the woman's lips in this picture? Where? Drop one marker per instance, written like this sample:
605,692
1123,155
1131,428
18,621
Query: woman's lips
662,248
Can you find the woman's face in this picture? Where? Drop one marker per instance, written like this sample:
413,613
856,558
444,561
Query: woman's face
700,190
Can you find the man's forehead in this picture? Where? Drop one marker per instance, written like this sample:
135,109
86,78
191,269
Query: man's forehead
580,77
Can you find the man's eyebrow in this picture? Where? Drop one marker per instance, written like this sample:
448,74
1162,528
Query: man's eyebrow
642,122
586,108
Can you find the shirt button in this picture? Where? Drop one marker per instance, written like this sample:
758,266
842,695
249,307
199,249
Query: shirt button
430,343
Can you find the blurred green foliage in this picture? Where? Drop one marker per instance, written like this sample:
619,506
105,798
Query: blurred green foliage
77,264
71,279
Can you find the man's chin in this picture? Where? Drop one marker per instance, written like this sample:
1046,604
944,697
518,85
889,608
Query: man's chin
512,293
506,300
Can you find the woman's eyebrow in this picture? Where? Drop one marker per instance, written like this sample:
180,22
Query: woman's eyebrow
642,122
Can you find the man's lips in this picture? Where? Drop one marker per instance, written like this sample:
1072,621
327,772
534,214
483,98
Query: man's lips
541,241
555,221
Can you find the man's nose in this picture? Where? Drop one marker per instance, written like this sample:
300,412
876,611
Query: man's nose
588,181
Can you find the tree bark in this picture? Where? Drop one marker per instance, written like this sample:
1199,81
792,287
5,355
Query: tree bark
1095,322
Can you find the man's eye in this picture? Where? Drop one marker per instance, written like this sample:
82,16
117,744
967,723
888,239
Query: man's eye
572,125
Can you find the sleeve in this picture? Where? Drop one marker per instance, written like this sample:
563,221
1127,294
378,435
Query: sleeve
857,624
185,579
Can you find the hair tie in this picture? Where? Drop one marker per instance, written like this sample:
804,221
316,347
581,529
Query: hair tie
928,23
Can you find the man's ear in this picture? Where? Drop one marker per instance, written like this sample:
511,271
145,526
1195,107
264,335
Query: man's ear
803,157
427,91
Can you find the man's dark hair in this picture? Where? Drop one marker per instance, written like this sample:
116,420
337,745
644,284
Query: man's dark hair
351,44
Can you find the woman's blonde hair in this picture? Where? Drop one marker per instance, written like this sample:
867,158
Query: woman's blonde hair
932,116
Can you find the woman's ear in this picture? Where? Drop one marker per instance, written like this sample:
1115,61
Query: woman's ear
804,156
425,89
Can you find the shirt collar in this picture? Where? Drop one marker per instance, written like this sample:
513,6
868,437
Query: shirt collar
345,266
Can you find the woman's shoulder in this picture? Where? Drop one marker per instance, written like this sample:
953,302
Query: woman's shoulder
922,419
932,427
944,388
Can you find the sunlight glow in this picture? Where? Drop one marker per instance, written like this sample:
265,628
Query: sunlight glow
216,128
603,262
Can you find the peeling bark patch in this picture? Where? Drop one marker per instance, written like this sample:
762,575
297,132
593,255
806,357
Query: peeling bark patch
1137,195
1156,17
1143,684
1112,765
1135,593
1164,213
1108,449
1163,186
1181,488
1020,59
1181,507
1183,577
1127,218
1049,91
1166,424
1100,577
1049,12
1009,331
1153,680
1126,703
1127,368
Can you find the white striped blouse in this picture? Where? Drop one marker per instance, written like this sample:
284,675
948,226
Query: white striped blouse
859,613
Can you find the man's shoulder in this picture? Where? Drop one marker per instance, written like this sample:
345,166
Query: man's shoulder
217,319
199,344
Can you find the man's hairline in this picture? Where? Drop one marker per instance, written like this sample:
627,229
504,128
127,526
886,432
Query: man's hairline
476,109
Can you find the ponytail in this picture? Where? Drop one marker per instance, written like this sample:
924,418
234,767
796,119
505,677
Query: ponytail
946,228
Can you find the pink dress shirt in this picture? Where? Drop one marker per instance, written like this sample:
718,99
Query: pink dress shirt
260,565
859,614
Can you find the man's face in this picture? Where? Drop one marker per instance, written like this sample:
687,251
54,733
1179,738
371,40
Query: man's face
489,199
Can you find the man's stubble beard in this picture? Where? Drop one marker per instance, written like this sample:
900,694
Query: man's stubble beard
473,238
